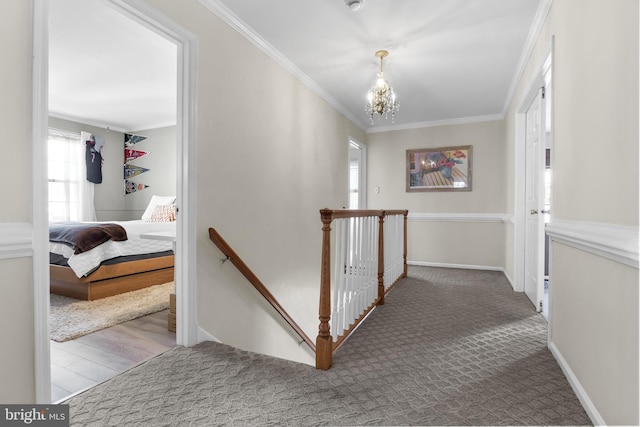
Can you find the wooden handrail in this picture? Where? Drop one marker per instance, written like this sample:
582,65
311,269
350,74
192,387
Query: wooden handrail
260,287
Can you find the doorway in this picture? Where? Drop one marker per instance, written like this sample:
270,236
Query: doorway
534,141
186,330
357,175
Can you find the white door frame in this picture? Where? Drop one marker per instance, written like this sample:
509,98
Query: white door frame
520,173
186,42
362,172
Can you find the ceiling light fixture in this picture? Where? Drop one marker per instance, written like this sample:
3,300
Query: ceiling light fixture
381,99
354,5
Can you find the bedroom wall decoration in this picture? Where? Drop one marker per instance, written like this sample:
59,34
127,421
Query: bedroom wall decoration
132,187
133,170
93,157
131,155
130,139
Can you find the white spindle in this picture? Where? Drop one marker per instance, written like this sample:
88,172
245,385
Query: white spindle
354,271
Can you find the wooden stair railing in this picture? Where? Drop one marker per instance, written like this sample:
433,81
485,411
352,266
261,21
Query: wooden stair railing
232,256
325,346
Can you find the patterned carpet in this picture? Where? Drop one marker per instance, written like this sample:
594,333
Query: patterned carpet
449,347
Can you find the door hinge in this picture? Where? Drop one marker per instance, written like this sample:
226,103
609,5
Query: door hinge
540,306
543,91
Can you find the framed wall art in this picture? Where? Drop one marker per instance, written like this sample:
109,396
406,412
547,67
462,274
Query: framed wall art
439,169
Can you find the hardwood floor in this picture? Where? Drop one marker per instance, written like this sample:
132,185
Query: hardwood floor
86,361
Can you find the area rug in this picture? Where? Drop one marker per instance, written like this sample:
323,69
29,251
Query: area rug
71,318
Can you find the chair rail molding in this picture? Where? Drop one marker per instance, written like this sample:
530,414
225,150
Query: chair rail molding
16,240
616,242
460,217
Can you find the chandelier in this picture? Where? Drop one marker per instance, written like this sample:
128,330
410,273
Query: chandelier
381,99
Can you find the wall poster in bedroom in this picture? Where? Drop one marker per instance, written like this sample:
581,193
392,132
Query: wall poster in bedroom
132,187
131,154
130,139
133,170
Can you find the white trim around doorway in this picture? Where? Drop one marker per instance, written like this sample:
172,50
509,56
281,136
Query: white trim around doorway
519,216
186,42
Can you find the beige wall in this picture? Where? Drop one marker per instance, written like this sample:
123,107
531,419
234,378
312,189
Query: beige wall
456,244
466,243
16,286
594,322
270,155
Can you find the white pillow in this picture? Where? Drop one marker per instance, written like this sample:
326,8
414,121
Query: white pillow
155,201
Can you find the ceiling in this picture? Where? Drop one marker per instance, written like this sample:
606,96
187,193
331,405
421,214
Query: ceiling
449,60
107,70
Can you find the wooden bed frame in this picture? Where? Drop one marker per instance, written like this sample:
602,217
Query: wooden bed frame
114,279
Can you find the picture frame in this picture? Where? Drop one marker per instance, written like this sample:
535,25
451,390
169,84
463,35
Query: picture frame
439,169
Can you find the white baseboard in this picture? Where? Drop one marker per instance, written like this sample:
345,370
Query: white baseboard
464,266
509,279
580,392
205,336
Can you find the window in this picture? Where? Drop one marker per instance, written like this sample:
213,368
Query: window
65,172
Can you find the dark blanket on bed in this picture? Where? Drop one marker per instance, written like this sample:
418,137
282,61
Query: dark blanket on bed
83,236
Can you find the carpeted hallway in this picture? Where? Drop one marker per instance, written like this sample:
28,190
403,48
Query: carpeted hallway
449,347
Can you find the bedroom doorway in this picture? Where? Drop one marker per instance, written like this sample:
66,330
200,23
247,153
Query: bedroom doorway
185,42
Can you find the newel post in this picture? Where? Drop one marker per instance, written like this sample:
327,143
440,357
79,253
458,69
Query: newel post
404,253
381,258
324,341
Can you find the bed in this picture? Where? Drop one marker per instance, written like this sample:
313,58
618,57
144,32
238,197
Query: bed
114,264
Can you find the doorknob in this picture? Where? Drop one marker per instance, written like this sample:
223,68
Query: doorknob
534,212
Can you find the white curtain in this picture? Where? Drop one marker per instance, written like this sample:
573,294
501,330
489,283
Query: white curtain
70,194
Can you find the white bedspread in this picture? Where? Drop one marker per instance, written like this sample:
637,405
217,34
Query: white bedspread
85,262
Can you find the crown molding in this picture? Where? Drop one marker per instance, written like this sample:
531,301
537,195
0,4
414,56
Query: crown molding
224,13
434,123
16,240
532,38
459,217
615,242
84,121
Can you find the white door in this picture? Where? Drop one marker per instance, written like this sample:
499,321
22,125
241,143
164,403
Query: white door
357,175
534,196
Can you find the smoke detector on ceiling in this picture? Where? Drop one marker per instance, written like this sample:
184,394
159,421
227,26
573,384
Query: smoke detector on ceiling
354,5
